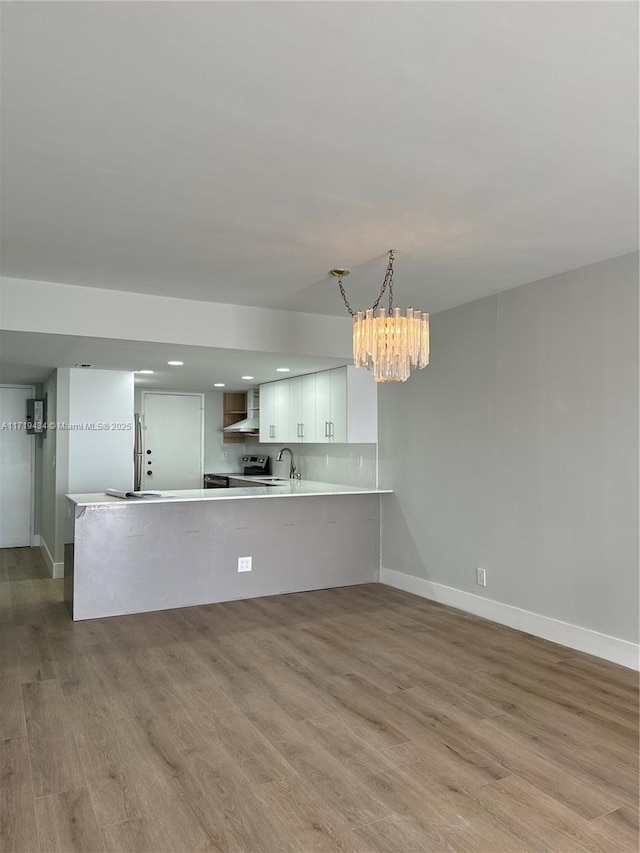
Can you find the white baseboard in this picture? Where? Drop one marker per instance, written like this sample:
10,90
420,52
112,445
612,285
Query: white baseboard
582,639
36,540
56,570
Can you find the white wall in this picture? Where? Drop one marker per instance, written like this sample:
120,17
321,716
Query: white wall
83,460
64,309
48,477
517,450
63,382
100,458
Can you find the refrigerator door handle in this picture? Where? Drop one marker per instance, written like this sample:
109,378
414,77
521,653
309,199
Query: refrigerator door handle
137,454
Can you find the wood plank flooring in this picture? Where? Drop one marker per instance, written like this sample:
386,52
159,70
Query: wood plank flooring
359,719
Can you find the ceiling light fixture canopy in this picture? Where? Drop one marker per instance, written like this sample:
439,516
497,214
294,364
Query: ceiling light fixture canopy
388,344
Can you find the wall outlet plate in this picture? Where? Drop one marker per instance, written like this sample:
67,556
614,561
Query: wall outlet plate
244,564
224,455
481,577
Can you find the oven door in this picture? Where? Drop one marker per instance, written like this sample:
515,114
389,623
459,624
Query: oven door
215,481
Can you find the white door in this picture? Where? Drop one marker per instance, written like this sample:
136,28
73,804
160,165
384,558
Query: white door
172,441
16,468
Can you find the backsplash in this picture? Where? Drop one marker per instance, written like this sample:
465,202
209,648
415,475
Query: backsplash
347,464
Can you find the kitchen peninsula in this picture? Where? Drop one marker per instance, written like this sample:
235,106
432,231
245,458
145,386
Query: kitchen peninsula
183,549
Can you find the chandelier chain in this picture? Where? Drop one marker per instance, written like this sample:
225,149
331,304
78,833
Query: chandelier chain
388,282
344,297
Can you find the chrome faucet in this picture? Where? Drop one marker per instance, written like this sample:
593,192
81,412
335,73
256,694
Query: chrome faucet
292,467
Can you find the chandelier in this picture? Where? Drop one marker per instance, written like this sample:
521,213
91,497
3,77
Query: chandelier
389,344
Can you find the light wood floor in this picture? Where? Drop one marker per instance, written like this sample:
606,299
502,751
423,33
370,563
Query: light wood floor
358,719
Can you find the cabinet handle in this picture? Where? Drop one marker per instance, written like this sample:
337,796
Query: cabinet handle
331,425
301,430
326,429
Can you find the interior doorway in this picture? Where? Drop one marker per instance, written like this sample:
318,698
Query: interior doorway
17,466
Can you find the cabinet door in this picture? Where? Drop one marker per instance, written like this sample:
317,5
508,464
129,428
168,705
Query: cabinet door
302,412
323,407
308,409
281,410
267,425
295,408
338,419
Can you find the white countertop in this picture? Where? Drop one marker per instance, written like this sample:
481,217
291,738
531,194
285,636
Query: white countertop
286,489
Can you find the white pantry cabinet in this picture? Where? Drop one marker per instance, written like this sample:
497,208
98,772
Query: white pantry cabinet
330,407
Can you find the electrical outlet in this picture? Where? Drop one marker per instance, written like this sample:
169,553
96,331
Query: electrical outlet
224,455
326,458
244,564
481,577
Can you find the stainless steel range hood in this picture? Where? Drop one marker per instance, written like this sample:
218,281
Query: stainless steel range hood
251,424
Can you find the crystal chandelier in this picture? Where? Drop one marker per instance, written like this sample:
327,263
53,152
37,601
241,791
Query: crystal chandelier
389,344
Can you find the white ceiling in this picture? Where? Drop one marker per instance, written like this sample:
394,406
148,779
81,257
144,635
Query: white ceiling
30,358
235,152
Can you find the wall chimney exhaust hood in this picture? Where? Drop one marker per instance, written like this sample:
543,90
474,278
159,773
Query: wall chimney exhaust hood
251,424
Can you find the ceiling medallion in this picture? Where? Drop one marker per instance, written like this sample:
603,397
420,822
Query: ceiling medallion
388,344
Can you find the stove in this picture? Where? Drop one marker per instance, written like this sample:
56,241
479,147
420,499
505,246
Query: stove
252,466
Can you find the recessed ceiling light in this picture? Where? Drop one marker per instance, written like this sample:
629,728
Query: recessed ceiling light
144,371
218,384
283,369
246,377
176,363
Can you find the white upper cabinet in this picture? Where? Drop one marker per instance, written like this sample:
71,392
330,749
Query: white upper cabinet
302,411
267,394
331,406
274,412
334,406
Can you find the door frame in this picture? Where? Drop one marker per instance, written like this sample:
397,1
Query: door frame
200,395
34,538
